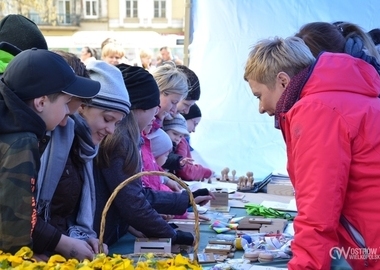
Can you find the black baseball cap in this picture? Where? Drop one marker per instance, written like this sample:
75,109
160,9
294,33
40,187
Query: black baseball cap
35,73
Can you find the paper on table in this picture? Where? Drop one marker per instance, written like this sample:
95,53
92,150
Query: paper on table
194,185
291,206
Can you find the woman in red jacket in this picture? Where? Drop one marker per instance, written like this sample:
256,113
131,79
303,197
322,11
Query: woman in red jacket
328,111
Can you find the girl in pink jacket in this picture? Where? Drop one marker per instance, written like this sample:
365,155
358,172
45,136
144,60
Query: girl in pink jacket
177,130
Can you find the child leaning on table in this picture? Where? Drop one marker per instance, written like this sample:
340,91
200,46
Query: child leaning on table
161,145
53,164
177,130
35,90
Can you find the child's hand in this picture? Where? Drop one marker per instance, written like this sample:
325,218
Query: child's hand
185,161
167,217
203,196
173,185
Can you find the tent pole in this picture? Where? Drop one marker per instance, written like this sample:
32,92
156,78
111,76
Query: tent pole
186,34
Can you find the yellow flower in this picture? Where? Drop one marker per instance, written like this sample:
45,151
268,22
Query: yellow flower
23,260
69,264
4,256
56,259
123,265
84,267
31,265
24,252
15,260
149,255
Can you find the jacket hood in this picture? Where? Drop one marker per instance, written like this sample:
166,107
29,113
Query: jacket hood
16,116
340,72
7,53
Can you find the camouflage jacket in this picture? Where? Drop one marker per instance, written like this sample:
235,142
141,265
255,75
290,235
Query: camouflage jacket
19,159
20,130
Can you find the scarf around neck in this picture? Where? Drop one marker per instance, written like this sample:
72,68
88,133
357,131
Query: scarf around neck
291,94
53,161
82,226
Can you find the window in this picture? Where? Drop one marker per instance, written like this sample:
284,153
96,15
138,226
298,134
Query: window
64,12
131,8
159,8
91,9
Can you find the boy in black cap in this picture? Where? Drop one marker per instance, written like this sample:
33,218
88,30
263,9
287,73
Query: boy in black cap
34,92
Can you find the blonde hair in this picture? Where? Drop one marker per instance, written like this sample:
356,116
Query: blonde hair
112,48
171,80
145,54
271,56
107,41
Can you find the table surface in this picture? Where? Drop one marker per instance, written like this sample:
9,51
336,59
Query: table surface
126,244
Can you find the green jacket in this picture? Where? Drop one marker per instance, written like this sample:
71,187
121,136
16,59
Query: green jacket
7,53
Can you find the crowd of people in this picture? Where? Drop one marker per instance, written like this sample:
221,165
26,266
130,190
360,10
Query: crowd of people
112,52
72,129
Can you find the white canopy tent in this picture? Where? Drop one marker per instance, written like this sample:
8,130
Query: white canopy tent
232,133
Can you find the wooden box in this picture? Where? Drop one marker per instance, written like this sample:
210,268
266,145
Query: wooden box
155,245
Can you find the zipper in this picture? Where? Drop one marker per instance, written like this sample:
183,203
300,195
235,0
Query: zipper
356,236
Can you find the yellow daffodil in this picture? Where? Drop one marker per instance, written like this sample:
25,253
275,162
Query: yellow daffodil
85,267
24,252
56,259
123,265
23,260
15,260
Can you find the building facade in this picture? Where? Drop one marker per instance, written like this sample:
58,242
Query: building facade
72,24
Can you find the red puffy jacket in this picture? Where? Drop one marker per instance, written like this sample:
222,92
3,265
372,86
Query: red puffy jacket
332,136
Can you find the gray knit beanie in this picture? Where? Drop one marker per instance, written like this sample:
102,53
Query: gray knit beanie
160,142
177,123
113,94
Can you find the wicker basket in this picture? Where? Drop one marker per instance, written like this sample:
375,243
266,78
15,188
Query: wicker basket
139,175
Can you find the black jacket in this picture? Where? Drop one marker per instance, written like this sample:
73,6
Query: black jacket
134,205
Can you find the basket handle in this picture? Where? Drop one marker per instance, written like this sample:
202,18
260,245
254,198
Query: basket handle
136,176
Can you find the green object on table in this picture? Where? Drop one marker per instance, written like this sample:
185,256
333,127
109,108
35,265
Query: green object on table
259,210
